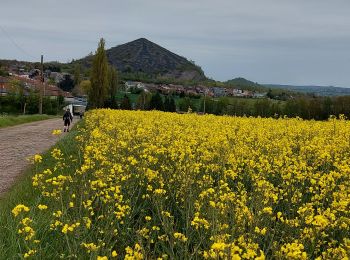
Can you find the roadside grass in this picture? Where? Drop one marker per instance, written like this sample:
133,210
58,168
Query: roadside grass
24,193
16,120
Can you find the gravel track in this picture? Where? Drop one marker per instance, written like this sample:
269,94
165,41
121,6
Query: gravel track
18,143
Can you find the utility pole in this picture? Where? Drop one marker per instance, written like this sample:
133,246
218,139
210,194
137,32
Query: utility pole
41,86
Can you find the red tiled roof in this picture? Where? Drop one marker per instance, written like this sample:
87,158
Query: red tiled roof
50,90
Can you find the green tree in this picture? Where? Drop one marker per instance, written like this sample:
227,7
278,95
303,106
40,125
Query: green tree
77,77
221,106
262,107
126,105
99,77
85,87
67,84
166,103
327,107
156,102
143,101
60,100
172,105
184,104
17,89
113,81
3,72
291,108
270,94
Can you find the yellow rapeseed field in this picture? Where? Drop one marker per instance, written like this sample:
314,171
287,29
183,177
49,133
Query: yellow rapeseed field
154,185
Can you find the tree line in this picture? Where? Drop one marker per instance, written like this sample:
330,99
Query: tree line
18,102
318,108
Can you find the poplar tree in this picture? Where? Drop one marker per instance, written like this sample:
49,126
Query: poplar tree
99,77
77,77
156,102
113,85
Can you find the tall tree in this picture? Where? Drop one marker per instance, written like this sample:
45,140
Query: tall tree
172,105
156,102
99,77
143,100
77,77
166,103
169,104
113,81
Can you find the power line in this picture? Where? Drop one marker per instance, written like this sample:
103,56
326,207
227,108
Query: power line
15,44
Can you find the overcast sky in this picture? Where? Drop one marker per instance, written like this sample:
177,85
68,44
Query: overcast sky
272,41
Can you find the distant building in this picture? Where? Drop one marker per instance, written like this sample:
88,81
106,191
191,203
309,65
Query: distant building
4,84
76,105
132,84
259,95
219,92
56,76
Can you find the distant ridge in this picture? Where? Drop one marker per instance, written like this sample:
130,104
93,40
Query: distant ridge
244,84
317,90
144,56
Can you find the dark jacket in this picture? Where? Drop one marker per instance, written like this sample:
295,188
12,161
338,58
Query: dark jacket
67,116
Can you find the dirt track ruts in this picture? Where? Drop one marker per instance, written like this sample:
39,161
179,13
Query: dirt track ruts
17,143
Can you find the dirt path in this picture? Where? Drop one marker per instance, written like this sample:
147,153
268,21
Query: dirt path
17,143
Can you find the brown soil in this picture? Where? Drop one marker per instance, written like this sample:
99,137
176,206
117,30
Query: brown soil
18,143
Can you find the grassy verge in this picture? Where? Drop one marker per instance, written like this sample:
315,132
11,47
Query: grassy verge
24,193
16,120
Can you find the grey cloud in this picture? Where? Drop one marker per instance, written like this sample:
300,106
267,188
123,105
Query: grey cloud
277,41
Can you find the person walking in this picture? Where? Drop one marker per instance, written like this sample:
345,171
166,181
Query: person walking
67,119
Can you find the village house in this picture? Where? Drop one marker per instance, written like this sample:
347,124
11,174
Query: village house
4,85
131,84
35,84
56,77
168,89
219,92
259,95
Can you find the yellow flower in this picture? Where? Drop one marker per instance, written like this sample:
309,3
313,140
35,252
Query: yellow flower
134,254
207,176
219,246
294,251
29,253
320,221
38,158
42,207
160,191
18,209
212,204
267,210
57,132
69,228
180,236
90,247
57,214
